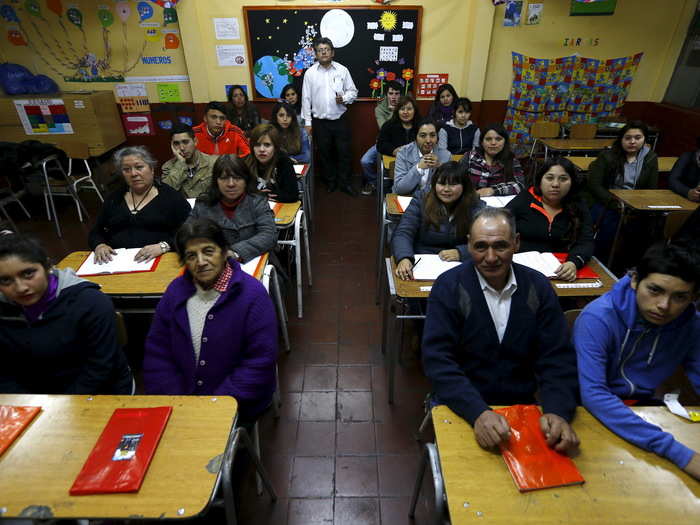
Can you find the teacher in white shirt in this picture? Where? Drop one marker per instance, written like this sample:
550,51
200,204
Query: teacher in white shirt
327,90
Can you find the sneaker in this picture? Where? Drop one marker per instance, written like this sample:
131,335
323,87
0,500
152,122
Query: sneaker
368,189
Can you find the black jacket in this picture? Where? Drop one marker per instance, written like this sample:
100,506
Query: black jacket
71,349
537,234
685,174
393,135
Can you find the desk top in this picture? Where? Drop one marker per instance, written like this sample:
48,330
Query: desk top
624,484
583,163
642,199
285,212
39,468
392,204
577,144
388,162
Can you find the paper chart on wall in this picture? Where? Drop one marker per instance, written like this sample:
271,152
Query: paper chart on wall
227,29
44,116
230,55
388,53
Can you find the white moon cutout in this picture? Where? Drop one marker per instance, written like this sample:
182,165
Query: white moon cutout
337,25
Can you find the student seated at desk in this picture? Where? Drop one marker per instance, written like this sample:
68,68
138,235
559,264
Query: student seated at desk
241,112
438,221
57,331
461,133
633,338
290,95
400,129
142,213
495,334
417,161
217,136
271,166
189,171
493,168
550,217
294,139
215,330
235,205
685,175
443,107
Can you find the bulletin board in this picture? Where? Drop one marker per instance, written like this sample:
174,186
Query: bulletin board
375,43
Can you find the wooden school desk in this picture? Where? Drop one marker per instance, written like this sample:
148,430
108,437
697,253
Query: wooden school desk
583,163
586,145
37,471
624,484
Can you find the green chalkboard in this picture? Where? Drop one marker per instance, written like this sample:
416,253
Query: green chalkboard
375,43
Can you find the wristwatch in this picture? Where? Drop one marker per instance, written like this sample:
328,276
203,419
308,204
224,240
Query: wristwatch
164,247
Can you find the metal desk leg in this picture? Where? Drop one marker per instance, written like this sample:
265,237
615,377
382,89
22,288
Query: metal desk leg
383,224
432,458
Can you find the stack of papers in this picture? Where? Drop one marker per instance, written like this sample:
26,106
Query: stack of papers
122,262
545,263
498,202
429,266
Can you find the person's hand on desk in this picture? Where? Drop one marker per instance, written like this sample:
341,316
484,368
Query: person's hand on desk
404,270
566,271
693,467
449,255
559,434
485,192
694,194
148,252
491,429
103,253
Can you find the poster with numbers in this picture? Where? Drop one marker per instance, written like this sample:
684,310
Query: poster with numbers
44,116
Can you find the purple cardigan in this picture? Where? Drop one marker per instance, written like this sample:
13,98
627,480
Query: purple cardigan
238,351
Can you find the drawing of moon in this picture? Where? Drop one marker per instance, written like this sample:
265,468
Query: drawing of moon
337,25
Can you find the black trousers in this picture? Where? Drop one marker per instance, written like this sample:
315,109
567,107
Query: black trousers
332,138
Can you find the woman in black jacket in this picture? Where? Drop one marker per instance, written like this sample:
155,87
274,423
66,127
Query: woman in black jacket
271,166
242,112
401,128
685,175
550,217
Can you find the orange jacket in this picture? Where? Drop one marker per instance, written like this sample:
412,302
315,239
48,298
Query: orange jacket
232,140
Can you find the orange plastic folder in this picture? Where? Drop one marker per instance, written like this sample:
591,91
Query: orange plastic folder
120,458
532,463
13,420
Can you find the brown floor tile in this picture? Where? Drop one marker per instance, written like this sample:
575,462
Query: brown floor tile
356,476
321,354
262,512
354,333
359,313
397,474
291,378
277,436
397,437
312,478
355,406
318,406
394,511
354,378
355,438
351,354
356,511
310,512
279,468
321,378
316,438
291,405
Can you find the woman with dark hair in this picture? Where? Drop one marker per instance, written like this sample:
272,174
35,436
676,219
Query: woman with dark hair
271,166
235,205
550,217
241,112
493,168
290,95
294,140
401,128
214,331
461,133
685,175
437,221
443,107
57,331
142,213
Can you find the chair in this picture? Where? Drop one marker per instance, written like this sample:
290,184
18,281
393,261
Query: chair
583,131
570,316
300,229
543,129
431,457
59,187
270,278
7,195
80,151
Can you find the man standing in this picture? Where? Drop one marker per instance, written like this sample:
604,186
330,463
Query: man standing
495,333
630,340
327,89
189,171
383,111
217,136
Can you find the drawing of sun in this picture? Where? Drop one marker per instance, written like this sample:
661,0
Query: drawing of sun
388,20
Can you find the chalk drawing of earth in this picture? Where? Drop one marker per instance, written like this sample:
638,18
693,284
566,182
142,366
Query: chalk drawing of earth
271,75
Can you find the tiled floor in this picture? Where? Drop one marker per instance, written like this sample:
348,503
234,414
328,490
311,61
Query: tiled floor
339,453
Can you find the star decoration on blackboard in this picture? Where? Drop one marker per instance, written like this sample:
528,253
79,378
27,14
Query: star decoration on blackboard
284,20
267,20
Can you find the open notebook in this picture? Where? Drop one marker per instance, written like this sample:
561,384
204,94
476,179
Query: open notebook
428,267
122,262
545,263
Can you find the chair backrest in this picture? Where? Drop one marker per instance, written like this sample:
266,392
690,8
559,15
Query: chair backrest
674,222
570,316
543,129
583,131
122,338
75,149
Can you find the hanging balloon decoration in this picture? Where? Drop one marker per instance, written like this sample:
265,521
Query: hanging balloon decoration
75,17
169,16
55,6
123,11
16,38
145,11
106,17
152,34
171,41
33,7
165,3
8,13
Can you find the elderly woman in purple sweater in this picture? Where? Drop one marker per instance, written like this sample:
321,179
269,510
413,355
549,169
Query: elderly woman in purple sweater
215,330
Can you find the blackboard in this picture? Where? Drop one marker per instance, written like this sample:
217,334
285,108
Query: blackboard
378,43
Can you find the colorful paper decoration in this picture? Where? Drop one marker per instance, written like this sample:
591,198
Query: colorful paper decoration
145,10
171,41
152,34
16,38
33,7
427,83
8,13
123,11
75,17
55,6
106,17
169,16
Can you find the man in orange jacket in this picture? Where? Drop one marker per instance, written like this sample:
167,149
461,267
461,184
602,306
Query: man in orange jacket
217,136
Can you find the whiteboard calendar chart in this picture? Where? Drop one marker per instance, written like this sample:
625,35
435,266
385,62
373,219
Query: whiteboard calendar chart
44,116
388,53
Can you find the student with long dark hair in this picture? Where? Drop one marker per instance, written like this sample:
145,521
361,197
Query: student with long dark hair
241,112
443,106
493,168
294,139
290,95
271,166
437,221
401,128
550,217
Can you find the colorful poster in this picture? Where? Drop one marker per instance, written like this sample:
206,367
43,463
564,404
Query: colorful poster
427,83
514,9
44,116
534,14
169,92
133,98
592,7
138,124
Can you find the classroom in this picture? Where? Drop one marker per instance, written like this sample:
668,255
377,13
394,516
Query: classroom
350,261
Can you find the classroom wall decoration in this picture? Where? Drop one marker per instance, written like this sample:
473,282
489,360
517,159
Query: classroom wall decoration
592,7
44,116
567,89
376,44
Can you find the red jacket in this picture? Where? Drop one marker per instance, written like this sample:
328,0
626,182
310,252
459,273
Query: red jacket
232,140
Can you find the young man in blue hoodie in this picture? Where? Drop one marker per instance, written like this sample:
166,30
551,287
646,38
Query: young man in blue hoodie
633,338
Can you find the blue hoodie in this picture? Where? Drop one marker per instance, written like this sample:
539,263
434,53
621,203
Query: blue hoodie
621,356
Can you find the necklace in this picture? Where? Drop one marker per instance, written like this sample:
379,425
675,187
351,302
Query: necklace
135,209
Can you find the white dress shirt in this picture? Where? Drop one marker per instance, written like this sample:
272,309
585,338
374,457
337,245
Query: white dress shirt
321,85
499,302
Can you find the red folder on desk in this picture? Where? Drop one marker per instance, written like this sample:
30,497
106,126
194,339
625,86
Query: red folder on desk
584,273
123,452
532,463
13,420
